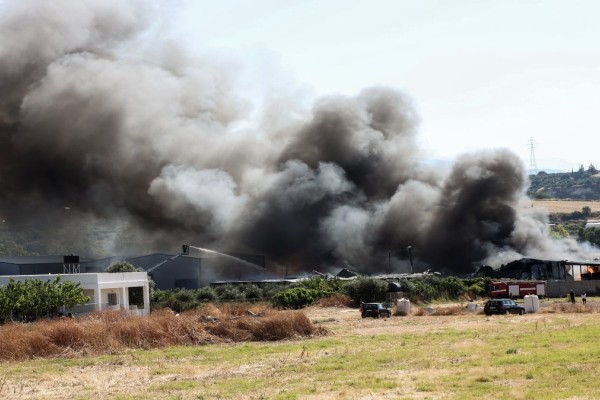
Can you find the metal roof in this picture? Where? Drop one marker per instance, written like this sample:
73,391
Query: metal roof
22,260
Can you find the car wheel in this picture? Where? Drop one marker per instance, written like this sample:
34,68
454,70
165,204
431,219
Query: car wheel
506,312
521,311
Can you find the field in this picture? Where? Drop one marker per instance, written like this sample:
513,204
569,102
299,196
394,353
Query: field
565,206
453,355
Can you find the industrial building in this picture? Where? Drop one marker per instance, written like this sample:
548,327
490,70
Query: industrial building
168,271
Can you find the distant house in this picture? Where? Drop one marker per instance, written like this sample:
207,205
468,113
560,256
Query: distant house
107,291
592,223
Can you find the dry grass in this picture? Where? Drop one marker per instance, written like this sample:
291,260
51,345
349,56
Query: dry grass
567,307
437,311
336,301
565,206
112,332
534,356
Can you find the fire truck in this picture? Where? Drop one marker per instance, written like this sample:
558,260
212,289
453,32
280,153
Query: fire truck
517,289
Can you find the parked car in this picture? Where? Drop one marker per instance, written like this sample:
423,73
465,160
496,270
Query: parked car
375,310
503,306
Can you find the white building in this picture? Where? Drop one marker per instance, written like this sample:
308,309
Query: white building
107,291
592,223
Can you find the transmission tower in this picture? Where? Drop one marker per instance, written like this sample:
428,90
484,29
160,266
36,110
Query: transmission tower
533,169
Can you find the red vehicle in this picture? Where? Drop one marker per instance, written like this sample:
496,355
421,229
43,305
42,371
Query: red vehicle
517,289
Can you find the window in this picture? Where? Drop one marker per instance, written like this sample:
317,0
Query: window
112,299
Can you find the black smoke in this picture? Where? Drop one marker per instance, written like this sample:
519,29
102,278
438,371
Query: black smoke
101,118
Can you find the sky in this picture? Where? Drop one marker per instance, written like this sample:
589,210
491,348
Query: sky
481,74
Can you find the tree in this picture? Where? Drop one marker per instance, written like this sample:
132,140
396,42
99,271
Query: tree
136,294
559,231
367,290
122,266
26,301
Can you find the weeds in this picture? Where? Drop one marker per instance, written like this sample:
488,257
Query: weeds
112,332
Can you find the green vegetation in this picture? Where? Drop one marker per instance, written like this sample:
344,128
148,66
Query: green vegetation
122,266
591,235
580,184
187,299
26,301
367,290
312,290
136,294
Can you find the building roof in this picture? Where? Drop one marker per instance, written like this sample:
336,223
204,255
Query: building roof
21,260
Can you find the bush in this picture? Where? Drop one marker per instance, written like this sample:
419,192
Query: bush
229,292
252,292
295,298
184,296
367,290
122,266
451,288
160,296
206,294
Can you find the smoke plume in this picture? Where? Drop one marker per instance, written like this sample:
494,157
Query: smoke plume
141,135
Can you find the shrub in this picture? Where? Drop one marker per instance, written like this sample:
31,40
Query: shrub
161,296
295,298
252,292
367,290
122,266
184,296
206,294
451,288
229,292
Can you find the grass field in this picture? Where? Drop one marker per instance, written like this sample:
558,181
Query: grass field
566,206
551,355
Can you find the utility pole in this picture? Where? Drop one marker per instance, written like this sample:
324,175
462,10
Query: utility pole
412,269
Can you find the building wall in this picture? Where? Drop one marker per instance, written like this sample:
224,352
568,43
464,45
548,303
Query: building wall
559,289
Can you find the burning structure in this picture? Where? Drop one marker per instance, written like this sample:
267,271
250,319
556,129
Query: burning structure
528,269
102,123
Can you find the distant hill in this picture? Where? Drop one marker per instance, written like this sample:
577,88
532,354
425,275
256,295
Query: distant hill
577,185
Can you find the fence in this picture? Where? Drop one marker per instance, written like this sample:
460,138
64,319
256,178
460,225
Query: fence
562,288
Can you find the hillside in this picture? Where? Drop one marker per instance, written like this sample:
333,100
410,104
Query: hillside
577,185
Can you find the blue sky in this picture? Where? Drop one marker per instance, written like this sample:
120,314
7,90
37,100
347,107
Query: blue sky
482,74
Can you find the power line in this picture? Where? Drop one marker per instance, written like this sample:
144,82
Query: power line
533,169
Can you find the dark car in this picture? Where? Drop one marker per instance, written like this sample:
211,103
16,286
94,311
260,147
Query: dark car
503,306
375,310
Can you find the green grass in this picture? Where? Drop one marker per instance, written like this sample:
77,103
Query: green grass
452,357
